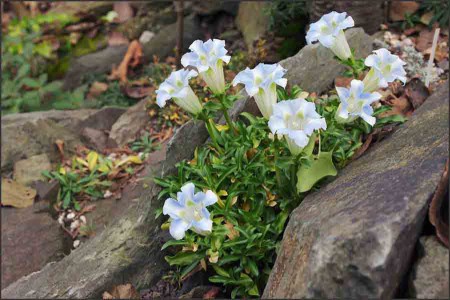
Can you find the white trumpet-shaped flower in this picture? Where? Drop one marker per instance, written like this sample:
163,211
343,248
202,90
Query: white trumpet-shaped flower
385,68
189,211
329,31
208,58
176,86
356,103
261,84
296,120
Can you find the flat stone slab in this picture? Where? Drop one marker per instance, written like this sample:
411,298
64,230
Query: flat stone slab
354,238
313,68
430,276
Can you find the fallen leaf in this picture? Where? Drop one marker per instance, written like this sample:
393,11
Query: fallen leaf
417,92
398,9
212,293
364,147
232,233
16,195
425,40
426,17
116,39
342,81
85,26
412,30
438,212
123,291
124,11
92,159
97,88
60,146
132,58
138,91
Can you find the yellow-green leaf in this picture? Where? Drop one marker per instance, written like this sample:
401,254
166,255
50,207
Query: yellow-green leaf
321,167
130,159
82,161
92,159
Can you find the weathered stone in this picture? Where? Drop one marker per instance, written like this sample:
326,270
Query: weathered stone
29,241
354,238
129,124
27,171
313,68
429,278
23,140
93,138
252,20
129,248
102,119
161,45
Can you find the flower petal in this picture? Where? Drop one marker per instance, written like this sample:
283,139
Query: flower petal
204,226
178,228
172,208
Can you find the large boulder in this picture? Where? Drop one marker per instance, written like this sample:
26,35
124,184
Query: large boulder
429,278
313,68
129,248
355,237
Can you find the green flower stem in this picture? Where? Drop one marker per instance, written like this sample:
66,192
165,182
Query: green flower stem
202,116
225,111
277,170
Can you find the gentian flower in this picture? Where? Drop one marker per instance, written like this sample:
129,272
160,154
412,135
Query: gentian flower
189,211
329,31
177,87
208,58
356,103
296,120
385,68
261,84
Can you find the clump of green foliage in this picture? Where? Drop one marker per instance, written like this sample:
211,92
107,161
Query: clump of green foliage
145,144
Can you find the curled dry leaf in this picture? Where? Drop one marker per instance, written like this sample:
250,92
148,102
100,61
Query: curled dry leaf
417,92
132,58
123,291
60,145
16,195
438,212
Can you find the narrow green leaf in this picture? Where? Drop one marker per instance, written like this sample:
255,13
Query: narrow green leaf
319,168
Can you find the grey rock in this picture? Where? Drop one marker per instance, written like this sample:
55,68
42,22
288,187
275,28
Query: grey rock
95,139
27,171
23,140
313,68
102,119
129,124
355,237
130,247
252,20
29,242
429,278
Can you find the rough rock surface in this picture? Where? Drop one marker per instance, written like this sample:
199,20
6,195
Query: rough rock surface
29,241
354,238
430,276
161,45
28,134
129,248
313,68
130,123
26,171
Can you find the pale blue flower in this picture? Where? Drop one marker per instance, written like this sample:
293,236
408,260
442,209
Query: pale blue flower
356,103
261,83
385,68
189,211
296,120
176,86
208,58
329,31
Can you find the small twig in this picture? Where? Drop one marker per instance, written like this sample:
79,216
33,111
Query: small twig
430,61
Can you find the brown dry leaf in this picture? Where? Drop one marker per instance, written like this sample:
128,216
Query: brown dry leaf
123,291
417,92
116,39
138,89
16,195
342,81
438,212
97,88
132,58
124,11
412,30
232,233
364,147
398,9
212,293
84,26
425,39
60,146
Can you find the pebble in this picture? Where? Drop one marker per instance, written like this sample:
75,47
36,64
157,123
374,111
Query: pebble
76,243
107,194
71,216
83,219
75,224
